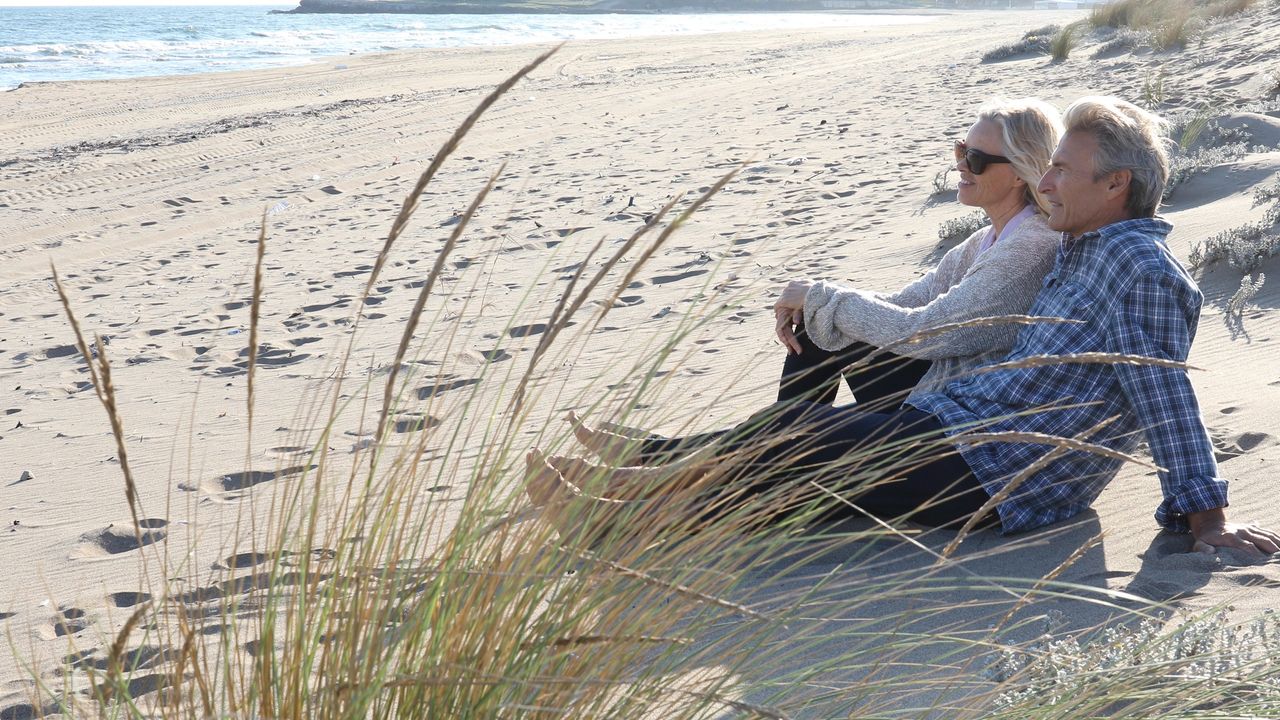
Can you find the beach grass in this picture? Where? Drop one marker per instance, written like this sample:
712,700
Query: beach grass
1170,24
375,594
1065,40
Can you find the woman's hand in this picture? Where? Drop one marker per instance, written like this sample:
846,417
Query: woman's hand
793,295
784,326
788,312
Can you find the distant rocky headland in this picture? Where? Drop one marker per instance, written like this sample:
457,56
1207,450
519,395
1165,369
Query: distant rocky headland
583,6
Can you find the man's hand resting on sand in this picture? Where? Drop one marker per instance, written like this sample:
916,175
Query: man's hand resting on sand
1212,531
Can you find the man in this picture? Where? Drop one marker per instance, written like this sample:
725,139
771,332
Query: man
1115,273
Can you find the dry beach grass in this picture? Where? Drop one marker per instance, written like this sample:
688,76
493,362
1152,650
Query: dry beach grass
372,554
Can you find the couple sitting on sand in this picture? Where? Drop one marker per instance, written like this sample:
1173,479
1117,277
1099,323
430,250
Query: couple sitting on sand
1074,238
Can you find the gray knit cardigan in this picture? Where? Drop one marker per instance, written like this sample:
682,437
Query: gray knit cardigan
1004,280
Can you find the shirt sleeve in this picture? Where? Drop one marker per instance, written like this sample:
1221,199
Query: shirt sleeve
925,288
1153,320
1002,282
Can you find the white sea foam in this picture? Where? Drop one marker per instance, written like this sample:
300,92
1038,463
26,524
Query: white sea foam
86,43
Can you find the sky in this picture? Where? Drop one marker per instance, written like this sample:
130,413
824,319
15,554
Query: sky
100,3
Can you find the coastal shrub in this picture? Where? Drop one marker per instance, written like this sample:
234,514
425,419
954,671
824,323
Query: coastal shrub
1196,669
942,180
1184,166
1242,299
1244,247
1121,40
957,229
1033,42
1266,193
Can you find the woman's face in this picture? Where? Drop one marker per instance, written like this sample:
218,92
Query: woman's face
998,181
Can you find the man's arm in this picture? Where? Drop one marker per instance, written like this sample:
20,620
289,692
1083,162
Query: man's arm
1151,320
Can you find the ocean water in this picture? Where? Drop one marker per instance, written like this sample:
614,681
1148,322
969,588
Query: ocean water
81,43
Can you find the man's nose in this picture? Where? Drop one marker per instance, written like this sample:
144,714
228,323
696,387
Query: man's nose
1045,185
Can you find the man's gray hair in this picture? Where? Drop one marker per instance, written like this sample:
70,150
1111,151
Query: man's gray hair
1029,131
1129,138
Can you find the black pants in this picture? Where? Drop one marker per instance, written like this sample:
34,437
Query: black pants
891,465
851,450
879,385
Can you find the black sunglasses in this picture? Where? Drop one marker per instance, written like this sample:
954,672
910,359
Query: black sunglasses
976,159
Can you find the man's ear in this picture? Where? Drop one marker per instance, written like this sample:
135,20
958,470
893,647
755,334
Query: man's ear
1118,183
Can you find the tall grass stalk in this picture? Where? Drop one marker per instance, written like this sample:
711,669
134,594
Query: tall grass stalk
381,596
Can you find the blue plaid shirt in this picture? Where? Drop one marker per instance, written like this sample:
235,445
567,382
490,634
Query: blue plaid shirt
1133,298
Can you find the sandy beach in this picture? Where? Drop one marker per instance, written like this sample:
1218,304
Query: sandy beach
148,196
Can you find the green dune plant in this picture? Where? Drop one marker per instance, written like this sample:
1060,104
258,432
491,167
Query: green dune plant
1066,40
418,582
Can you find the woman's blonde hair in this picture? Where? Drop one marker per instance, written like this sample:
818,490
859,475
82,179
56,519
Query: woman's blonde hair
1029,129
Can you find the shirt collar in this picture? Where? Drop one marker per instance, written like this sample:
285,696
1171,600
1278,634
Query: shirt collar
1151,225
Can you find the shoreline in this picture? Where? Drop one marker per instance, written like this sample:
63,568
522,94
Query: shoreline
623,27
356,56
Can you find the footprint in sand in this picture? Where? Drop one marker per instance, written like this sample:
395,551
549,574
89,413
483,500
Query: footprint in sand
243,560
520,331
413,422
444,384
268,357
127,599
27,711
288,451
242,585
1227,446
137,686
121,537
68,621
231,482
665,279
138,658
481,357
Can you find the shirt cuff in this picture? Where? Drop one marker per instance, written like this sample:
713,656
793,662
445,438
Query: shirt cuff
1194,495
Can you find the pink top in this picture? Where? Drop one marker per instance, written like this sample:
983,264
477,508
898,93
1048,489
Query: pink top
990,238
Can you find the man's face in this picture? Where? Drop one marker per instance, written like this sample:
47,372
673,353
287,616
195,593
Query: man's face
1078,202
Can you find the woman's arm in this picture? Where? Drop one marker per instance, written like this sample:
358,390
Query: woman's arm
1003,281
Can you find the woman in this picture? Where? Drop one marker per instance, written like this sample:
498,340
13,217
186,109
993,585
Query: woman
996,272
